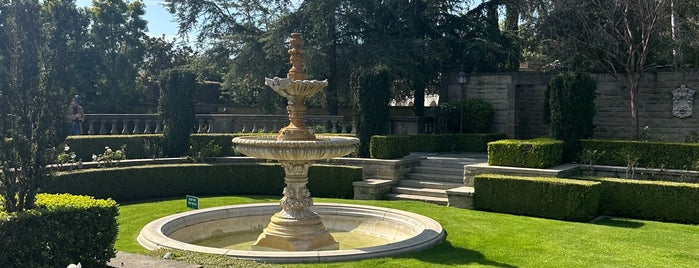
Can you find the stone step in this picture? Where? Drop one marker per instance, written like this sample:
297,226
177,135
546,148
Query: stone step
434,200
429,184
427,192
445,163
439,170
434,177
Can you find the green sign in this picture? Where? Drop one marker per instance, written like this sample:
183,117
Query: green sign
192,202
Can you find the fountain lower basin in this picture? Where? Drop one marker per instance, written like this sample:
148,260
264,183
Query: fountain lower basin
404,231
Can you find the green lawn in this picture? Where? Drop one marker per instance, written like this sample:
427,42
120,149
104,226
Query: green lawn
476,238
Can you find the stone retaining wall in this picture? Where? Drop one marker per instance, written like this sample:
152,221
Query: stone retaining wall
518,100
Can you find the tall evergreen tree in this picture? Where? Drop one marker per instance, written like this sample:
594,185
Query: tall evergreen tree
31,106
117,35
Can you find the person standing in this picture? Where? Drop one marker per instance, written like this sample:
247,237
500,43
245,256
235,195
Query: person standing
76,115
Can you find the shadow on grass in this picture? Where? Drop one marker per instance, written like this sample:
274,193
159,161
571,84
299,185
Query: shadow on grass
617,222
446,254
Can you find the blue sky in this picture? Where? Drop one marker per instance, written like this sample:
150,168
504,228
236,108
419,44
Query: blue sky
160,22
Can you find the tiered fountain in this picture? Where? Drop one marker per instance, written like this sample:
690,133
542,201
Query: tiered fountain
297,233
296,227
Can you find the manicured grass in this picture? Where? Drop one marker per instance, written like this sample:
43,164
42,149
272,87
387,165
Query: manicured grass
476,238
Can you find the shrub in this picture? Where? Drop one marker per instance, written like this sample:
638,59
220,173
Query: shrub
371,90
653,200
570,109
176,109
463,116
554,198
534,153
397,146
159,181
645,154
62,229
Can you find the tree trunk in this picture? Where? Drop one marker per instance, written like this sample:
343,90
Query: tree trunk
633,92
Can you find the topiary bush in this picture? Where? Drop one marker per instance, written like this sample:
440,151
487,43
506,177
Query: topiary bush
570,109
62,229
554,198
534,153
176,109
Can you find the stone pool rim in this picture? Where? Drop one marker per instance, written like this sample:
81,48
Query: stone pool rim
152,236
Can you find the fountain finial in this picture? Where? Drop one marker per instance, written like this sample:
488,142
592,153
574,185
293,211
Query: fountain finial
296,58
295,88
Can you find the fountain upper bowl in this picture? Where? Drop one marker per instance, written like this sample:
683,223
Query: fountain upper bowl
268,147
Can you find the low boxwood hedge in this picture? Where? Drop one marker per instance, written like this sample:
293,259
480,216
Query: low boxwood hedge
534,153
160,181
397,146
554,198
642,153
62,229
653,200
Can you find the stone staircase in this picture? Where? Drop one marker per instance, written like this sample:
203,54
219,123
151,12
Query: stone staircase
430,180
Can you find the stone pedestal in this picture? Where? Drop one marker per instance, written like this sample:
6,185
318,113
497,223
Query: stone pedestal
296,227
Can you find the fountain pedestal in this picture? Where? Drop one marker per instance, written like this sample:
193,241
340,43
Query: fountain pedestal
296,227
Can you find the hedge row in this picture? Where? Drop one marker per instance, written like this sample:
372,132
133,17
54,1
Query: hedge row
642,153
160,181
534,153
144,146
583,198
554,198
653,200
397,146
63,229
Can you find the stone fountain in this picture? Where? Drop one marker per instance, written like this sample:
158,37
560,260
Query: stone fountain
296,227
296,234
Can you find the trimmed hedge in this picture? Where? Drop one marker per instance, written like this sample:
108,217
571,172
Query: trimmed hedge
553,198
159,181
670,155
534,153
397,146
62,229
143,145
653,200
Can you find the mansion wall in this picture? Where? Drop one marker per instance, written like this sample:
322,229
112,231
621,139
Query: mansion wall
518,101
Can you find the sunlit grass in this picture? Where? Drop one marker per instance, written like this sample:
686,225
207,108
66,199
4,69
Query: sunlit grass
476,238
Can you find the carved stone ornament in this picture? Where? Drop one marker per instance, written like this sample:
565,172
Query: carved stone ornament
682,101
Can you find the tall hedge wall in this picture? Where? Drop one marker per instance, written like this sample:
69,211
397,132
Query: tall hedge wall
159,181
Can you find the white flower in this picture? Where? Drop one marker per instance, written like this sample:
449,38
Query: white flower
94,157
67,148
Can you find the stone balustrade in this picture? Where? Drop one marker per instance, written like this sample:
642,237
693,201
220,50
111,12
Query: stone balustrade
117,124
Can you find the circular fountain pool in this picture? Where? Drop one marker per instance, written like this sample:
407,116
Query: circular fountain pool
362,231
